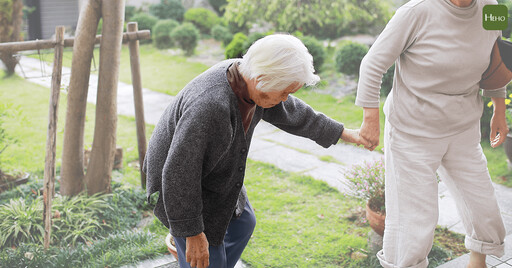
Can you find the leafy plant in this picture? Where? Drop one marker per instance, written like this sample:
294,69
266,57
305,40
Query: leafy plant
317,50
387,81
186,36
221,33
168,9
236,46
145,21
162,33
349,57
21,223
367,183
202,18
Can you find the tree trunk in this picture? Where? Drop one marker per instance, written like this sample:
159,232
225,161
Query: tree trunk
11,32
99,170
72,170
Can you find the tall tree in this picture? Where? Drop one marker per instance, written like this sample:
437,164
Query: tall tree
11,18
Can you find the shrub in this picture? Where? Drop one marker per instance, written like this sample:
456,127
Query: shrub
387,81
349,57
129,11
317,50
145,21
202,18
21,223
168,9
222,34
236,46
5,139
186,36
162,33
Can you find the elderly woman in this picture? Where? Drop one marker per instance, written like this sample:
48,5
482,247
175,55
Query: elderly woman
432,125
197,154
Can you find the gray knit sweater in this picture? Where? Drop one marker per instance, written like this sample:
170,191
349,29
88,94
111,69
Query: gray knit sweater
196,157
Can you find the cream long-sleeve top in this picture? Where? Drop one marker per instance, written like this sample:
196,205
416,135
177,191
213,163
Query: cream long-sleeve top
440,52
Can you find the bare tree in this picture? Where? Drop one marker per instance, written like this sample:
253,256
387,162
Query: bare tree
11,18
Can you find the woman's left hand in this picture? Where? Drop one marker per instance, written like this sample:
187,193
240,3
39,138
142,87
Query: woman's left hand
499,127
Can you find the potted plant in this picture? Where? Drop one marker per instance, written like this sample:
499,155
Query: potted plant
367,184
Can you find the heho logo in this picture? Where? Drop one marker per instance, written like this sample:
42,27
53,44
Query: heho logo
495,17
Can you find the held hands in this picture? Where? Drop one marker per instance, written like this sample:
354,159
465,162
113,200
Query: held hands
352,136
197,251
370,128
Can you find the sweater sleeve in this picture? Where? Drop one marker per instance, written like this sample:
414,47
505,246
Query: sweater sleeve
296,117
199,138
396,37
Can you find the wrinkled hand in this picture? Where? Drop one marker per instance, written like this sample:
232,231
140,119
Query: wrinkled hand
352,136
197,251
370,128
499,129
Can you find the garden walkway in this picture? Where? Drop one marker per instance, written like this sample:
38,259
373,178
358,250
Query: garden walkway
271,145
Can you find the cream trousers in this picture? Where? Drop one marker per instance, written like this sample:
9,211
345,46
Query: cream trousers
411,195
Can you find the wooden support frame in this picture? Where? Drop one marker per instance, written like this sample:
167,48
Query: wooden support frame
68,42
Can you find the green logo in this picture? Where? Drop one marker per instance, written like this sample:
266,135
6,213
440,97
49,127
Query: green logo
495,17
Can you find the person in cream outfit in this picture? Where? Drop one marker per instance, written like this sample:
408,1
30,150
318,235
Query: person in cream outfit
432,126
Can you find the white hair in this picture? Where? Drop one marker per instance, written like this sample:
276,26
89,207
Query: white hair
277,61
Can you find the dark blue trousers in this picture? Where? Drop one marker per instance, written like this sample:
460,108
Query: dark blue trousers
228,253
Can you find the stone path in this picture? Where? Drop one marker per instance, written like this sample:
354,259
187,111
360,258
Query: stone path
271,145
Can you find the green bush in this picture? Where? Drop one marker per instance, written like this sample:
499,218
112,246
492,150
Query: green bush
222,34
349,57
168,9
186,36
235,48
162,33
21,223
317,50
129,11
387,81
145,21
202,18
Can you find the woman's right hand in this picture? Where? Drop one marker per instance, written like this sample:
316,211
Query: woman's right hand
370,128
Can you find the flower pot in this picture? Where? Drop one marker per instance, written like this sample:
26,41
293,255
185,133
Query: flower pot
169,241
376,220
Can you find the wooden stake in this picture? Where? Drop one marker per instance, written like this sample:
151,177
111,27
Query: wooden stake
51,140
138,100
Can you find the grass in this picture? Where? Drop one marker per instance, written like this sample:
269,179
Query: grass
299,221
